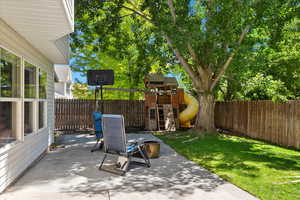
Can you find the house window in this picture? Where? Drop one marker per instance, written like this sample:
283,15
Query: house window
10,80
10,97
41,114
30,95
42,84
22,99
7,133
30,80
42,97
29,117
35,80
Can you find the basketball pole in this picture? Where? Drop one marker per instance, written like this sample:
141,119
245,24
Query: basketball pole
102,103
96,99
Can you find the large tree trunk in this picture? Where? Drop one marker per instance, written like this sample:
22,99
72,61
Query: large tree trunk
205,121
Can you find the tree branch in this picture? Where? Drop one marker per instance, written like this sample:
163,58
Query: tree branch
228,61
173,13
189,46
132,4
140,14
183,62
127,15
172,10
195,57
209,3
181,59
192,52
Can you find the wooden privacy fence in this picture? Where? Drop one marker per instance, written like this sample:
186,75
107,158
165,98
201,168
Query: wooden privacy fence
278,123
72,114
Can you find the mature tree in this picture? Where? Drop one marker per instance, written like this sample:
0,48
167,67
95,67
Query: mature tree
205,35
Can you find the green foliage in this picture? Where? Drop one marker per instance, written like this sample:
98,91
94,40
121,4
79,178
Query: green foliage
267,171
110,38
262,87
281,63
81,91
122,75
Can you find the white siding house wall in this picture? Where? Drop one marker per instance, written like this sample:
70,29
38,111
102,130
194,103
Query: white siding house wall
17,156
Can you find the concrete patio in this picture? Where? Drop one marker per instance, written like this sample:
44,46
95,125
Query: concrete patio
72,173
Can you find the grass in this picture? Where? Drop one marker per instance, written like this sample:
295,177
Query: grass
266,171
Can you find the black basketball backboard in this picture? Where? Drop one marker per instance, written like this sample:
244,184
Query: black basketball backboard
100,77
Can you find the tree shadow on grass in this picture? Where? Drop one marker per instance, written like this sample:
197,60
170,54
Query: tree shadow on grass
227,154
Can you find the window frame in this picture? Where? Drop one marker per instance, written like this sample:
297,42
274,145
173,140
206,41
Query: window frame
21,73
32,100
19,135
36,76
44,100
36,100
34,125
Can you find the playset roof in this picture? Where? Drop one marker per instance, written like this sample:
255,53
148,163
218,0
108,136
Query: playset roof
159,80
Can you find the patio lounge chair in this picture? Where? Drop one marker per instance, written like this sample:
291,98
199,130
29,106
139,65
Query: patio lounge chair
115,143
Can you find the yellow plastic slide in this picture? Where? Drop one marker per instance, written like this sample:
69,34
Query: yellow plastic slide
190,112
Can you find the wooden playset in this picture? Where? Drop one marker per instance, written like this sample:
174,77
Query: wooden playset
167,107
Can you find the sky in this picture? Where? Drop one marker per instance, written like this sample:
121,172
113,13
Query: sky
77,75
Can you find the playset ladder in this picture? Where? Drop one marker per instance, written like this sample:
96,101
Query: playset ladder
169,118
165,117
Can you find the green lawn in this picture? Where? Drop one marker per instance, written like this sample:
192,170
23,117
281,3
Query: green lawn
265,170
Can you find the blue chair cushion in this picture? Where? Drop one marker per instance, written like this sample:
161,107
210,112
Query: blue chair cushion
131,148
97,118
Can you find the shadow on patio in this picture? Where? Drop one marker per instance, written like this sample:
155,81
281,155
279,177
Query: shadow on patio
72,172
